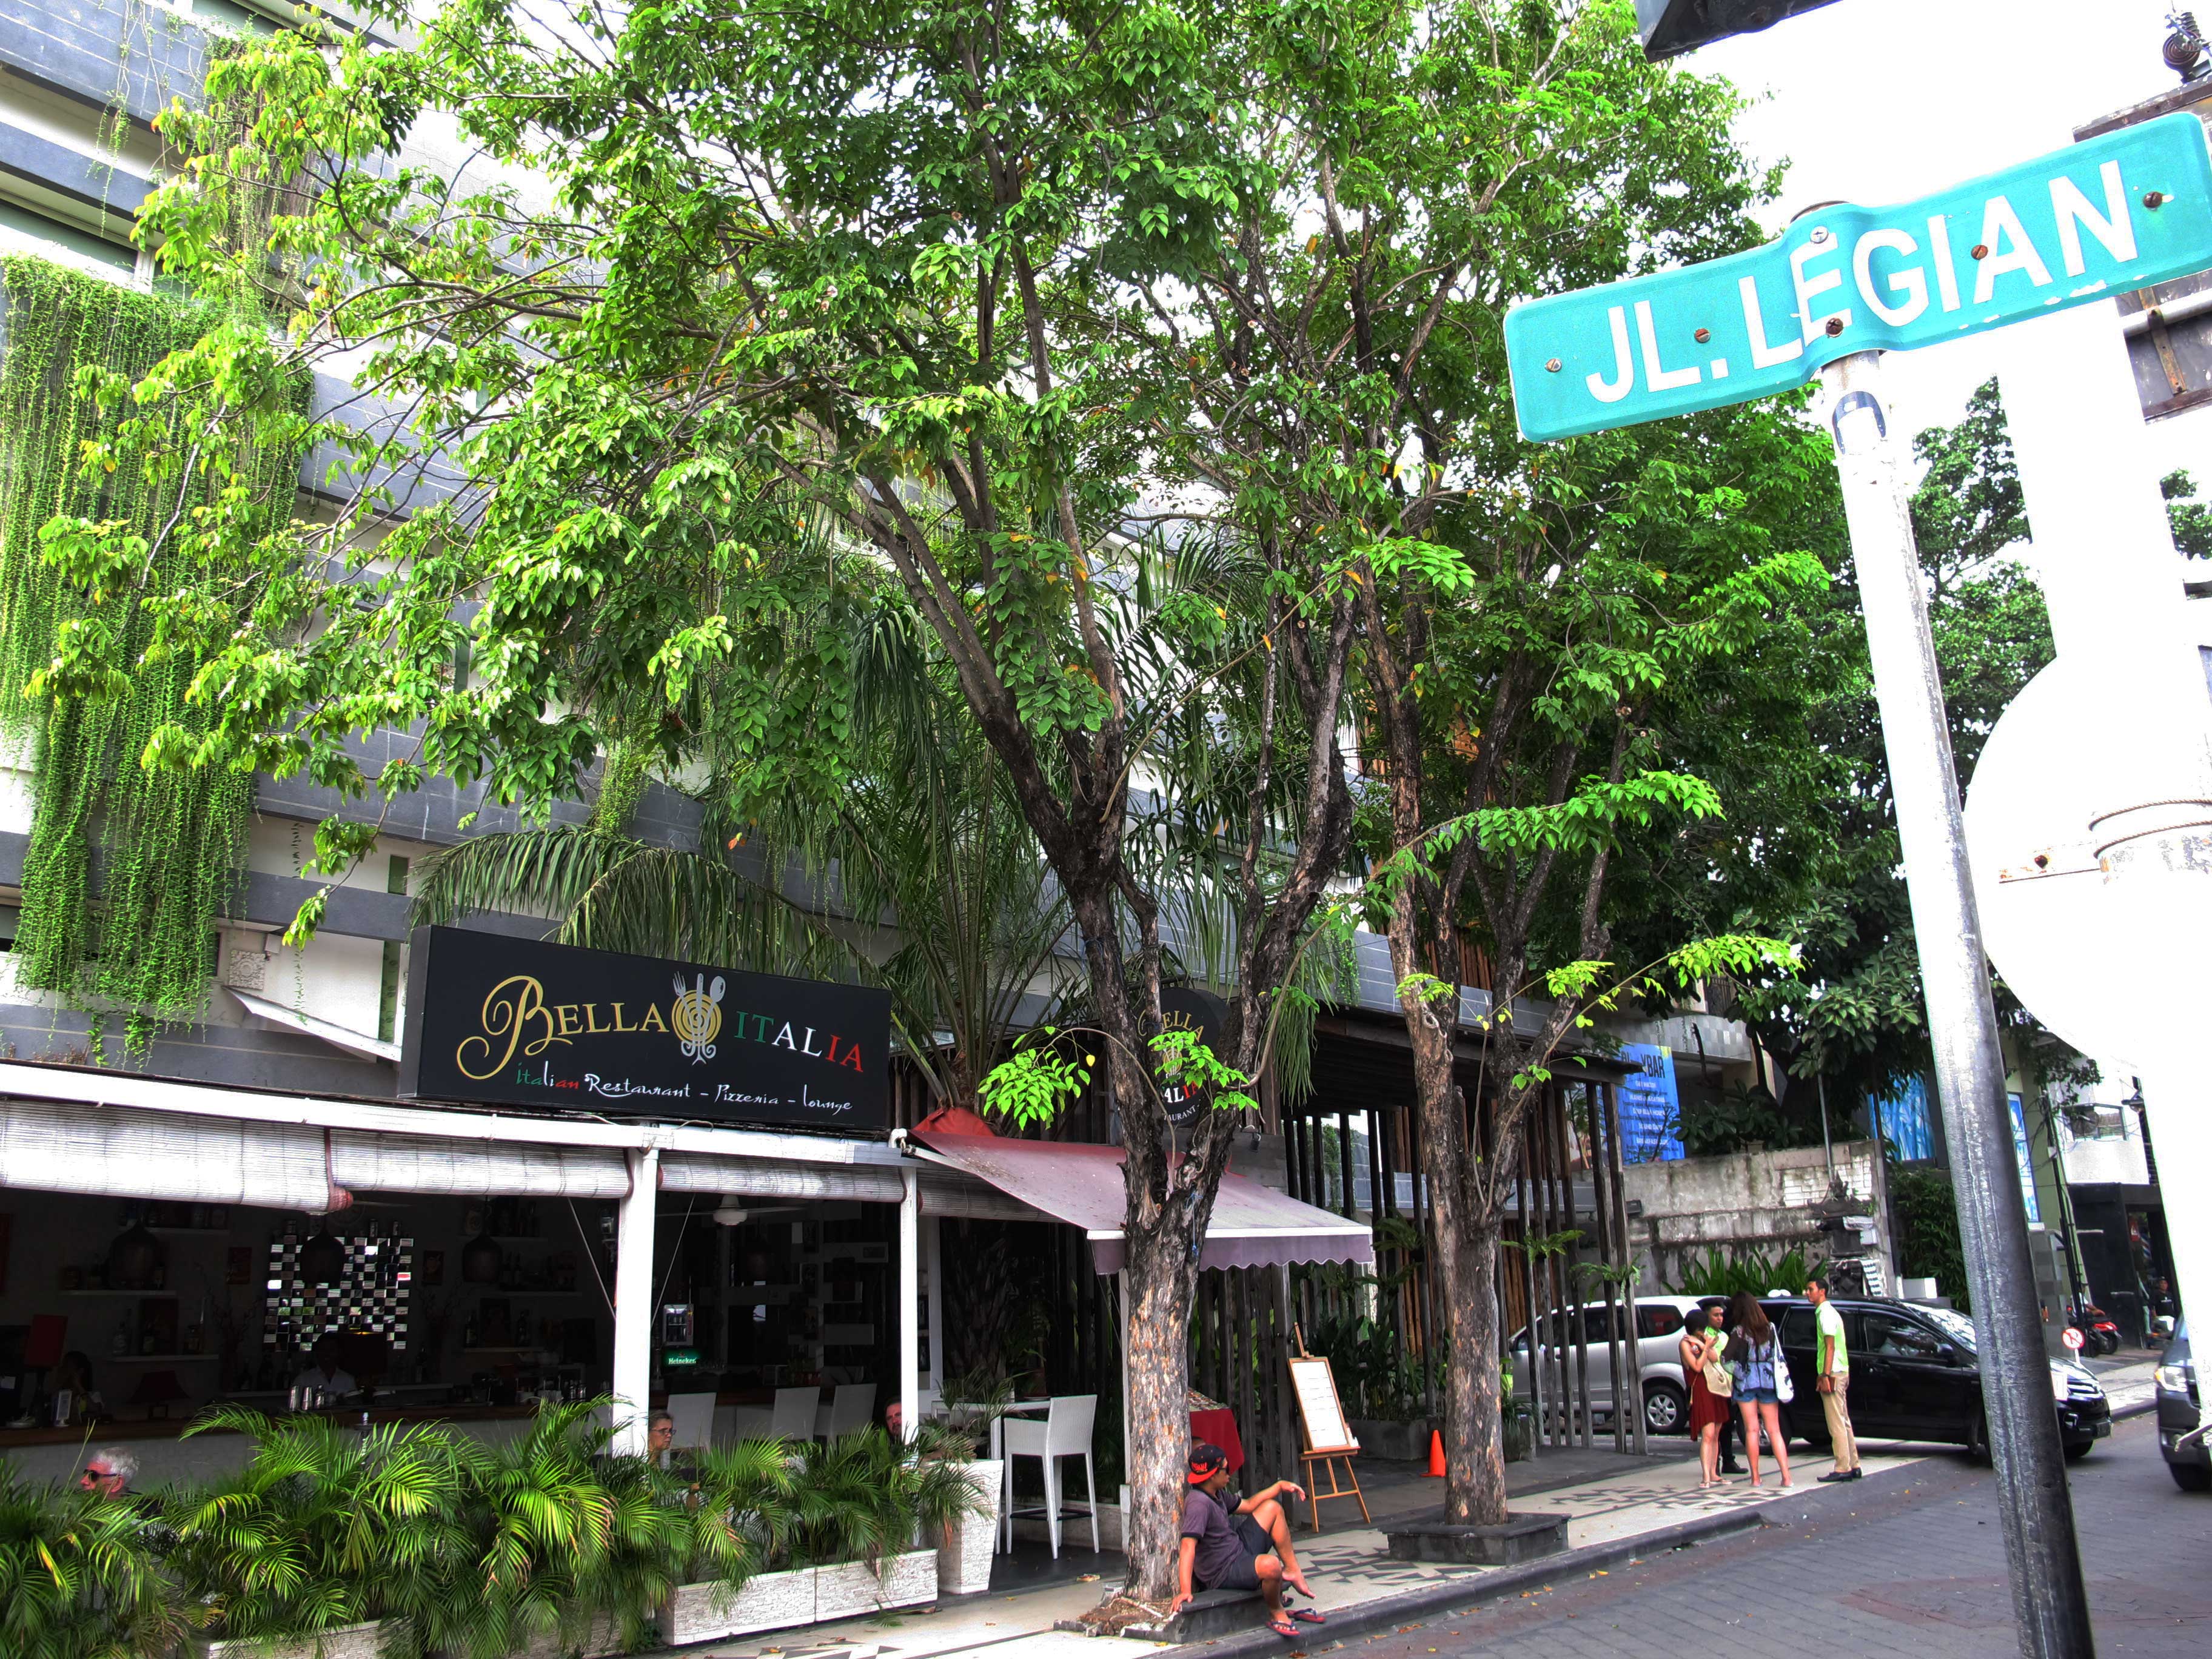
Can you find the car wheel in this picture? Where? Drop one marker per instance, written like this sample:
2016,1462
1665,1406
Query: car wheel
2191,1477
1793,1430
2077,1449
1666,1408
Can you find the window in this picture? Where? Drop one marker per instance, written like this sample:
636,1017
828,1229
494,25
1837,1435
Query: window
1657,1319
1797,1328
79,245
1898,1337
387,994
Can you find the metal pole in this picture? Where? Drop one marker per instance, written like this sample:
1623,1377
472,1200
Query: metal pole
1827,1146
2050,1606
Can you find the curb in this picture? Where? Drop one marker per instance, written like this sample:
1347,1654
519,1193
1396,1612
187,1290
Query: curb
1452,1594
2139,1408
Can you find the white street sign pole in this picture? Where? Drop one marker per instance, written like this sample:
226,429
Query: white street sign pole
2050,1606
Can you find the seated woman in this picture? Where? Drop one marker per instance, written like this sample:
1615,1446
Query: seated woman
1226,1542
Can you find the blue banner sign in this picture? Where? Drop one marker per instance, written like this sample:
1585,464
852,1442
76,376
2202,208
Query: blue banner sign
1649,1105
2122,211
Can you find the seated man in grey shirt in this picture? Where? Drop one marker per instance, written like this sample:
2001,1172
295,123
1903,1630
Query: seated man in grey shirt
1232,1544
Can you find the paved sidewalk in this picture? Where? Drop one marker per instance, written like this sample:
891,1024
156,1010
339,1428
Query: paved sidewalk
1912,1566
1614,1499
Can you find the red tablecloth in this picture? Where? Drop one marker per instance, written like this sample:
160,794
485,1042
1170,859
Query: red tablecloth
1219,1427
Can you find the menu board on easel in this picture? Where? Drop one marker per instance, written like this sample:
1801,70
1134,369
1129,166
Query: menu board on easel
1323,1412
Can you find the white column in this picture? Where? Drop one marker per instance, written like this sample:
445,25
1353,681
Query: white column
634,1223
933,1244
910,1301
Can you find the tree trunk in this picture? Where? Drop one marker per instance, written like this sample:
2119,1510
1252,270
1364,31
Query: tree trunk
1160,1283
1474,1449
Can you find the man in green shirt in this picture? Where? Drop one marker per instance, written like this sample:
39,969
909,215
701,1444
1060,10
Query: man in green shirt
1831,1364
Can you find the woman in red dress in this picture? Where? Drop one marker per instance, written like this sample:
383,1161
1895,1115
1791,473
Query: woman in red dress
1708,1409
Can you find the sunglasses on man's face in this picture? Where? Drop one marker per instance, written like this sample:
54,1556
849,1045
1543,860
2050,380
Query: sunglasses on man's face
99,1474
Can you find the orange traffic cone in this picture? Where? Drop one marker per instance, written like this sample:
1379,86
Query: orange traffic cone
1436,1454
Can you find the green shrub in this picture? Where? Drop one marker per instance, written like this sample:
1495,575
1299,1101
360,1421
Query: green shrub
1745,1270
78,1576
1928,1244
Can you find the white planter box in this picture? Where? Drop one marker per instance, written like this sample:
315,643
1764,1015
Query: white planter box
346,1642
804,1595
963,1561
852,1588
771,1600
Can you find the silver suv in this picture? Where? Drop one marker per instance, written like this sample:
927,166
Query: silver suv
1659,1353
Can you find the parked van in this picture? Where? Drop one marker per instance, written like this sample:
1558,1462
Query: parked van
1666,1393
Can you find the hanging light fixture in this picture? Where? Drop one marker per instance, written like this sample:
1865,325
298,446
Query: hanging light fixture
480,1259
136,1260
322,1258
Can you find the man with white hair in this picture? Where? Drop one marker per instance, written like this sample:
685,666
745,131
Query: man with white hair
109,1471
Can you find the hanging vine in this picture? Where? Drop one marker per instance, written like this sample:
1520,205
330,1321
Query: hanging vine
98,469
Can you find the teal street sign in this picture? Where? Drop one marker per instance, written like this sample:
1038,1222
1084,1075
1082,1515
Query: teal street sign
2121,212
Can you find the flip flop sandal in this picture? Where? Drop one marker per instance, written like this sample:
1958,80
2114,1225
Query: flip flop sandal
1307,1616
1283,1628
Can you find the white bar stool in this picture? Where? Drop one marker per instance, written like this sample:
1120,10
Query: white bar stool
1065,1432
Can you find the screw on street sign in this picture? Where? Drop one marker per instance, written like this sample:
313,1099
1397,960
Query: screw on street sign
2121,212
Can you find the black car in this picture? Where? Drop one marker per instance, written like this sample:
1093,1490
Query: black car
1914,1377
2191,1465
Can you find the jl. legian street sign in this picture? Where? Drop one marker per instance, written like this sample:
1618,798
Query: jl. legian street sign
2122,211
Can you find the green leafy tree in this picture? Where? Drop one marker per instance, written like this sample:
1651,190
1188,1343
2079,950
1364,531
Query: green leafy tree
742,307
1850,1010
1524,618
924,838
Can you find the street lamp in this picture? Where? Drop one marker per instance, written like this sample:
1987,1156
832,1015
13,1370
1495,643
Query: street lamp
1670,27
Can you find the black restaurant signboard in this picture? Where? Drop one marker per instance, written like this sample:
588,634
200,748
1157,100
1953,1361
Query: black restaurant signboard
520,1022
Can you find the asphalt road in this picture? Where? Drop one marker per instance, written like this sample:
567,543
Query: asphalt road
1905,1565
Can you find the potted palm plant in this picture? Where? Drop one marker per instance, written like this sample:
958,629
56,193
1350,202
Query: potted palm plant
571,1550
742,1518
861,1503
325,1544
77,1577
973,1403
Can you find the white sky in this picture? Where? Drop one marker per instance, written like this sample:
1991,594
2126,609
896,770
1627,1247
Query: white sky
1880,100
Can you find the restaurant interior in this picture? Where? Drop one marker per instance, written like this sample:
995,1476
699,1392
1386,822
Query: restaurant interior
122,1318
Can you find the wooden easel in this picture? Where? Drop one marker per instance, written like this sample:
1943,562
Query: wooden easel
1328,1437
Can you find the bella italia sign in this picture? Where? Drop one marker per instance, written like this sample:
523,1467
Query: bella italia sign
2119,212
525,1023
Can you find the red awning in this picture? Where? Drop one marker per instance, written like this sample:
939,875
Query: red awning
1253,1225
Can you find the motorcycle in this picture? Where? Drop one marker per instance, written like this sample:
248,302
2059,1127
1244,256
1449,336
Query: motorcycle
2100,1334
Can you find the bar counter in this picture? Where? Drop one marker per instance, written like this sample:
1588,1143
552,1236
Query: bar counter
171,1428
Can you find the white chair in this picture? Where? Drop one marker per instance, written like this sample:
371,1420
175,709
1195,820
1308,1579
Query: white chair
849,1408
1065,1432
794,1417
694,1415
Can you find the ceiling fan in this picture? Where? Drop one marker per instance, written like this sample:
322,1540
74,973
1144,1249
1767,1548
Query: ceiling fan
730,1211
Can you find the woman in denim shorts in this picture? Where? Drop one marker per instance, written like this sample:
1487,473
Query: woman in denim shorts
1757,1351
